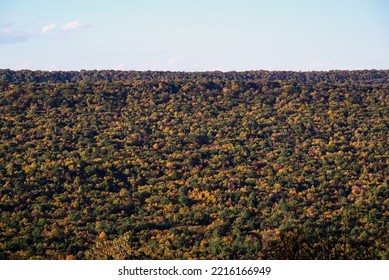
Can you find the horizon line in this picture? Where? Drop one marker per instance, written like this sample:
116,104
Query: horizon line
193,71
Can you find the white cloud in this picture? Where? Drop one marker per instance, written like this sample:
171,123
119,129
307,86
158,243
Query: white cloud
24,65
121,67
4,29
322,65
10,36
172,61
47,28
73,25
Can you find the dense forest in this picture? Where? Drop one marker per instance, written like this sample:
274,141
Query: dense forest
206,165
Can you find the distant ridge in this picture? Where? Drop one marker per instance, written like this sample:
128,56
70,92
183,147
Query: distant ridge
377,77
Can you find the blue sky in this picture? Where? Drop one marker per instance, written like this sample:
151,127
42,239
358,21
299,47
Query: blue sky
194,35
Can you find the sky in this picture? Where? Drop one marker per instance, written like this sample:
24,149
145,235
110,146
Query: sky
194,35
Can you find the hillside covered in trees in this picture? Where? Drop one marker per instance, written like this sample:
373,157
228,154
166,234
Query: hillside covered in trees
207,165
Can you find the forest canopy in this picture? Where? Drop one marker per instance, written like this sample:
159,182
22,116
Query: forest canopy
203,165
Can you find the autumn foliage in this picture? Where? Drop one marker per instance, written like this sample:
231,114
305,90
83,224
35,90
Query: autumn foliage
174,165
